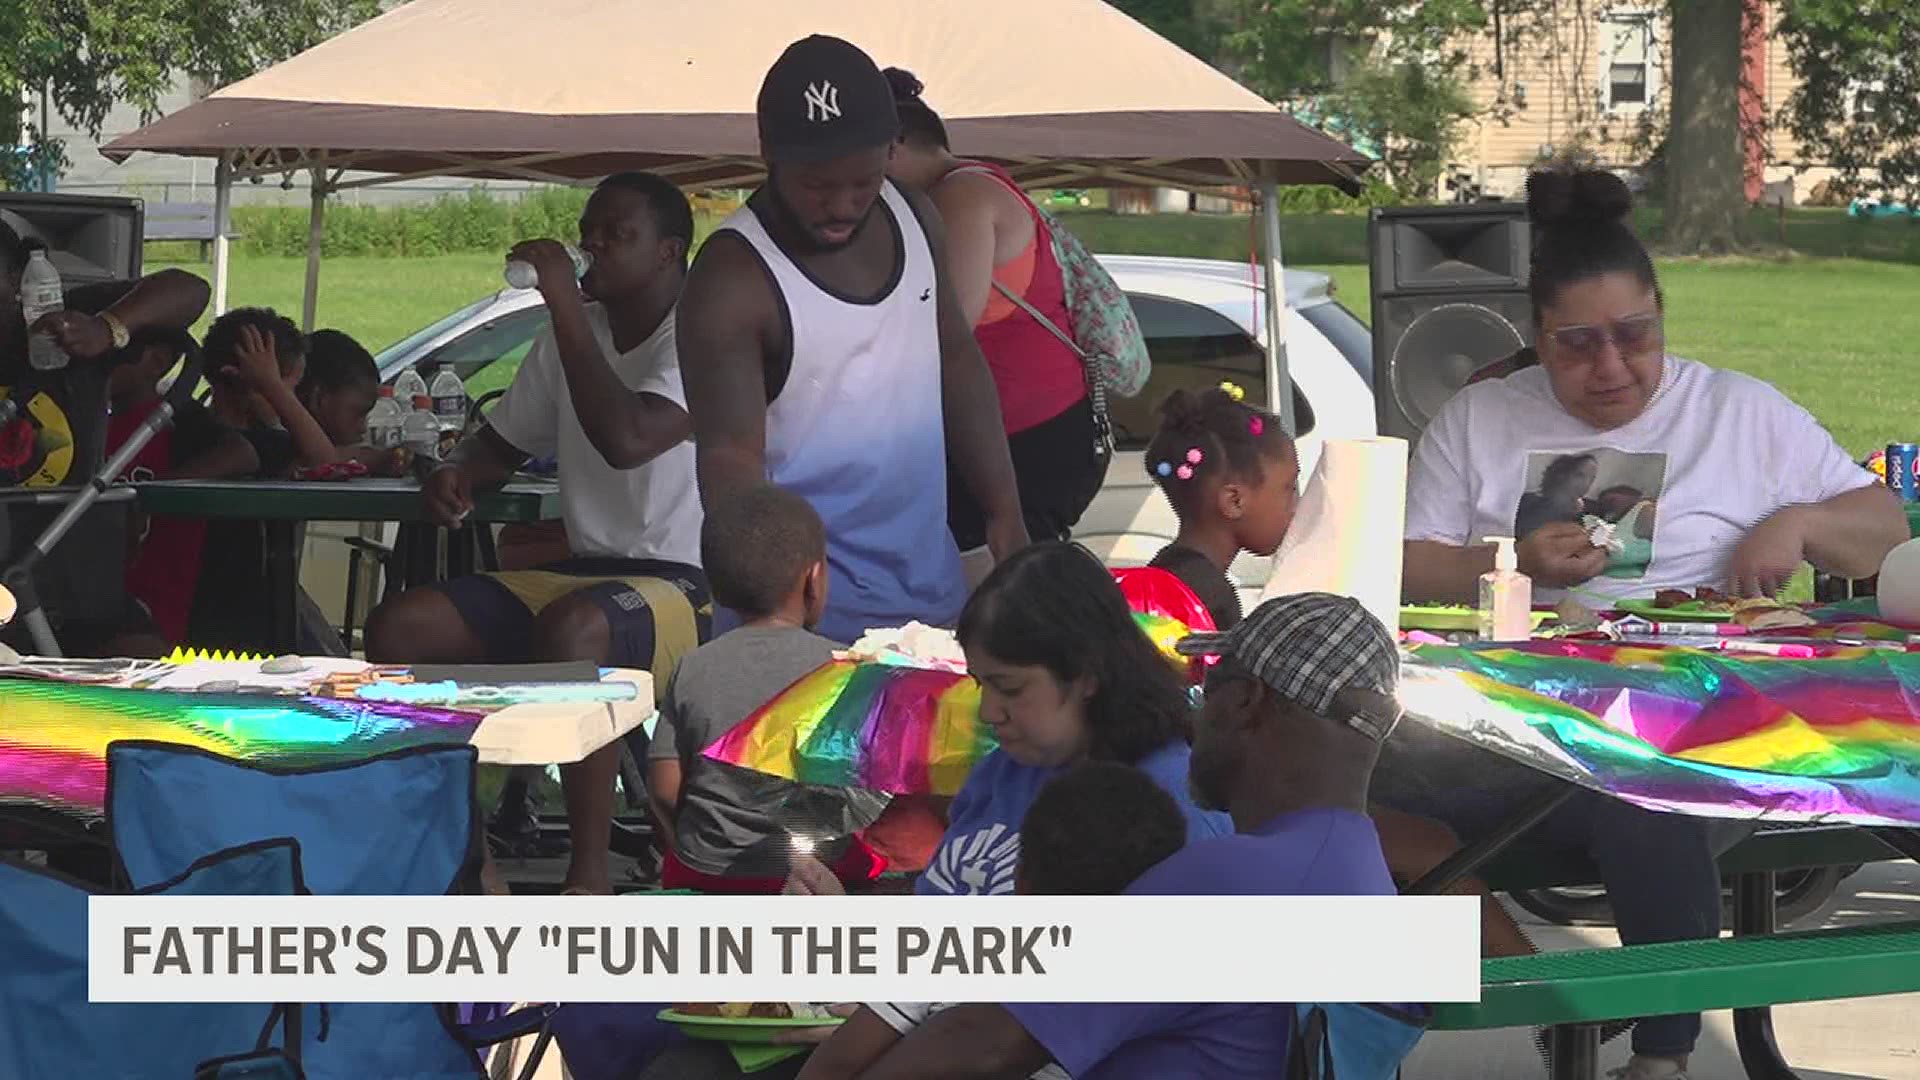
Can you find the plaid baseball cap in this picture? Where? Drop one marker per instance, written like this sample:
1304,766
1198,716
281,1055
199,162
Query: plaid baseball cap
1308,648
824,98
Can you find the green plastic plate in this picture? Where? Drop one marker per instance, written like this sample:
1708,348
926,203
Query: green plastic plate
1689,612
746,1029
1448,617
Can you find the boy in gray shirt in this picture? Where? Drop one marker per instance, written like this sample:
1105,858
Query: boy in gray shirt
729,829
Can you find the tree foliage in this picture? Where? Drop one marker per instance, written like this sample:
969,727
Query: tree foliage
1389,77
93,54
1857,109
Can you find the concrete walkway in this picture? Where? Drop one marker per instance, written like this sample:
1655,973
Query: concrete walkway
1865,1039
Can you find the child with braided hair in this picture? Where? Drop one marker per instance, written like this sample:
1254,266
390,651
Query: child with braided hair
1232,475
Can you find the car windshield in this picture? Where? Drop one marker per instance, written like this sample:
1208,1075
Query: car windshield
406,346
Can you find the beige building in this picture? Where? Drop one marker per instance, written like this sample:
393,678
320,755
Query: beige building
1593,77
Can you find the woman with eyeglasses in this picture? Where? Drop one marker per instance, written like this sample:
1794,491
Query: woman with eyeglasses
1747,486
1752,484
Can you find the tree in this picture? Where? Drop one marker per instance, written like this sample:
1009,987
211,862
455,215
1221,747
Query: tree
90,55
1705,148
1858,105
1388,76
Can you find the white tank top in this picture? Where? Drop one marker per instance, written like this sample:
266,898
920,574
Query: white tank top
858,430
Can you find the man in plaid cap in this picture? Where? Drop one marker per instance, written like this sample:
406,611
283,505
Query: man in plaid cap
1297,706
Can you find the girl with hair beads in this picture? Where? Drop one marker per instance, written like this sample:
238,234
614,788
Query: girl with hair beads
1232,475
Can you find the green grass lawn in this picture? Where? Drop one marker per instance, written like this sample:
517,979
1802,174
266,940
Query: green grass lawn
1839,335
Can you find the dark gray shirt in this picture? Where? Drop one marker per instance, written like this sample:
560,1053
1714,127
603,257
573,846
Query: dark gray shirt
732,821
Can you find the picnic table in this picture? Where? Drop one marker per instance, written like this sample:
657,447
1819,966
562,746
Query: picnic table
283,505
1573,993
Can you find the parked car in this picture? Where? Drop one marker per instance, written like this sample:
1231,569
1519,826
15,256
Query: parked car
1204,323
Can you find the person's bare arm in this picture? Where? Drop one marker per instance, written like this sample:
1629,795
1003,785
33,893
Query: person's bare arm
259,367
1557,555
663,797
629,429
1436,573
969,210
487,458
852,1047
167,298
726,328
963,1043
976,434
1849,535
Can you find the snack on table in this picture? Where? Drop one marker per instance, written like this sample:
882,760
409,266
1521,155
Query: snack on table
1701,599
914,644
1763,613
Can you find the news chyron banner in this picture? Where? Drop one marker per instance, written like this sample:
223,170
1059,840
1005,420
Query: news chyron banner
713,948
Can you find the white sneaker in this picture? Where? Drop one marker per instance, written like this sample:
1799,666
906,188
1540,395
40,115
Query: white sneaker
1651,1068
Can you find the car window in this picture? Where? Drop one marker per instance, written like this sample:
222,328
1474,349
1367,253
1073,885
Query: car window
1348,335
1193,348
388,356
487,357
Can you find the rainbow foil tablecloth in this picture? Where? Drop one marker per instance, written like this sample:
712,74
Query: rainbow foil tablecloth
54,736
1833,739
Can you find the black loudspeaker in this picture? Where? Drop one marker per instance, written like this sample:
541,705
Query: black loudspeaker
1449,297
89,238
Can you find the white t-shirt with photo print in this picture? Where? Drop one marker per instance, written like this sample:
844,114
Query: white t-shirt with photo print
1736,451
905,1016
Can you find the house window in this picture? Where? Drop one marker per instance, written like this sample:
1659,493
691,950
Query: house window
1629,69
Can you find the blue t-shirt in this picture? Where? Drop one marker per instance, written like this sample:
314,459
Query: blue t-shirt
981,849
1321,852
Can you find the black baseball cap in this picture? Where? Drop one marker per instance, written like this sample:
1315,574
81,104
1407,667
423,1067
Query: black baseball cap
824,98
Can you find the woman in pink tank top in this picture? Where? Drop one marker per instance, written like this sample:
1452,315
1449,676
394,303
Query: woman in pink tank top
996,239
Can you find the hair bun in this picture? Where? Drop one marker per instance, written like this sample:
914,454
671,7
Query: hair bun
906,86
1582,196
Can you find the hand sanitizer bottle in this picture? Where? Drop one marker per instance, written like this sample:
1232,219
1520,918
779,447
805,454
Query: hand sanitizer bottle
1506,596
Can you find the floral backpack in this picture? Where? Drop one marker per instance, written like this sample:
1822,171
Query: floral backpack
1105,333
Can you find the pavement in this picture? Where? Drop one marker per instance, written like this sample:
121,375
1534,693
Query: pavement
1862,1039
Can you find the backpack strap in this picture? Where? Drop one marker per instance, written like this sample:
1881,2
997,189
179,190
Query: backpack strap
1096,386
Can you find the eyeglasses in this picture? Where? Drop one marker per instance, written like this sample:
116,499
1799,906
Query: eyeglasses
1629,334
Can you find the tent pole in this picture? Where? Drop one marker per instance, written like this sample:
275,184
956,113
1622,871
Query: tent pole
222,225
316,221
1279,382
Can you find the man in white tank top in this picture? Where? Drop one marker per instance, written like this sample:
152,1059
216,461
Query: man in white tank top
826,352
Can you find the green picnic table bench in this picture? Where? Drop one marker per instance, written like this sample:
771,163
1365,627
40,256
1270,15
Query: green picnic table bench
1572,993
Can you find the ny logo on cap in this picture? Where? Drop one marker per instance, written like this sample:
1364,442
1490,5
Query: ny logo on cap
823,101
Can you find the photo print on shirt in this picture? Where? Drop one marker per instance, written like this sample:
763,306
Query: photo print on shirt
1612,494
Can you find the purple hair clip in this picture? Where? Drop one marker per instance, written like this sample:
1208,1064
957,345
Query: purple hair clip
1256,426
1164,469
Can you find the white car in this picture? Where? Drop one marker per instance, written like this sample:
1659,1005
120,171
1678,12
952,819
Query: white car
1204,322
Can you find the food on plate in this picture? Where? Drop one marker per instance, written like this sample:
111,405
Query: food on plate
1701,599
1576,616
758,1010
1763,613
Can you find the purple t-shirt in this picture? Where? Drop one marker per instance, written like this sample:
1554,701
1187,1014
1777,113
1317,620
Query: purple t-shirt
1320,852
981,848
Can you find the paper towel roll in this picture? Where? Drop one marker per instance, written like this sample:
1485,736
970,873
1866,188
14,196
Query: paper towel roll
1347,532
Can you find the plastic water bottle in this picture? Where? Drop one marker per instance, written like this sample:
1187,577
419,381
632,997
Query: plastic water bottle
40,296
449,400
407,387
522,275
383,423
419,431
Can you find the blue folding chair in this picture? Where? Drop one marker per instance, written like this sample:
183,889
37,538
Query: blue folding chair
405,823
48,1028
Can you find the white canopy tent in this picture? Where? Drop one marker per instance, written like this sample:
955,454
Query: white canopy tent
571,90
